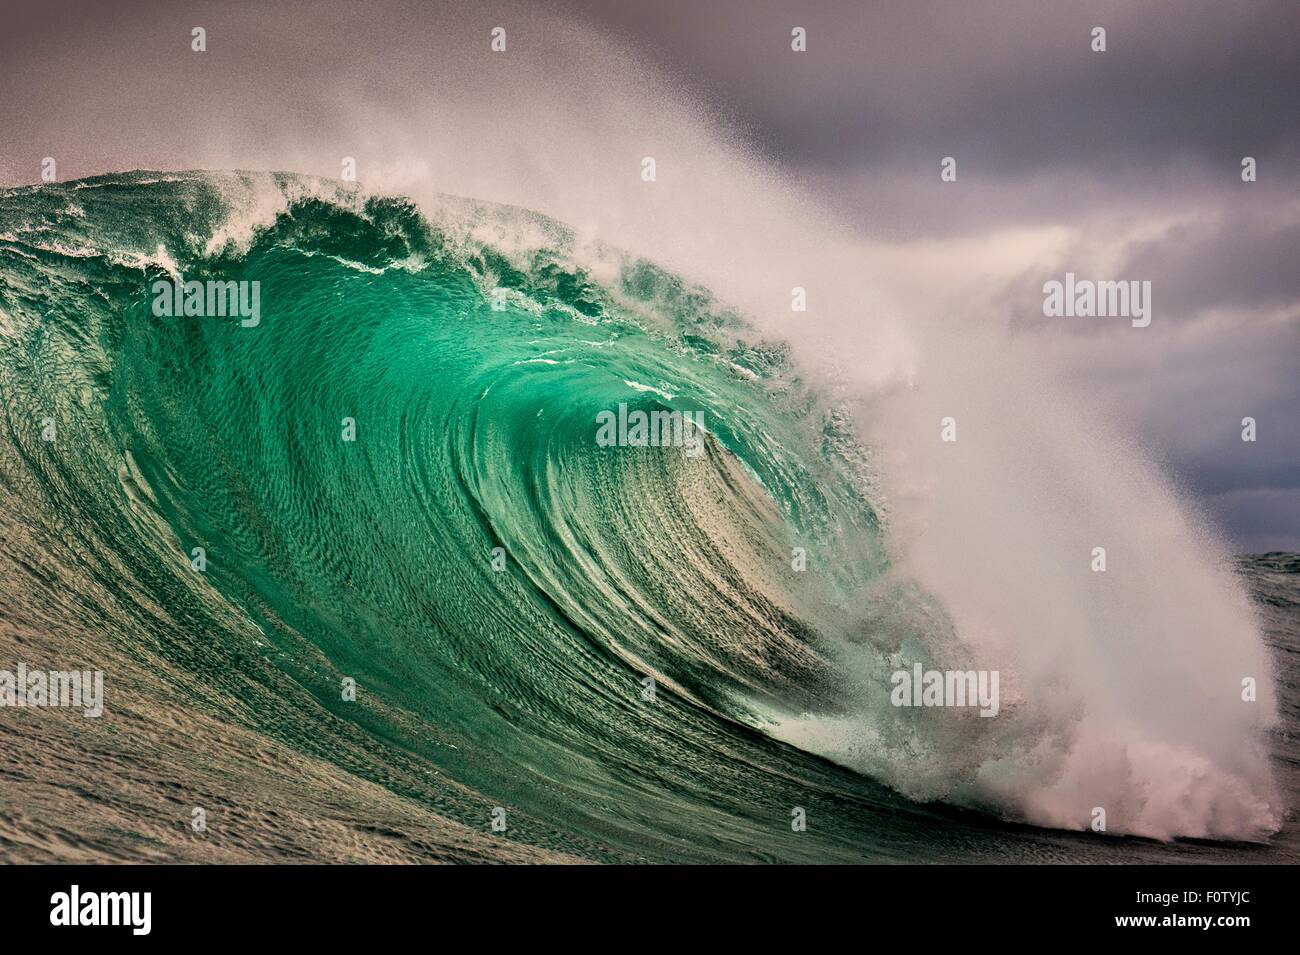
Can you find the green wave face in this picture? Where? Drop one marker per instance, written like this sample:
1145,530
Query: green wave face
395,479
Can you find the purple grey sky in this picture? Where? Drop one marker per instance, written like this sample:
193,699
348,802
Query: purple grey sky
1117,165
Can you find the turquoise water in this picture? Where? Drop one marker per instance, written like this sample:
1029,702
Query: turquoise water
355,464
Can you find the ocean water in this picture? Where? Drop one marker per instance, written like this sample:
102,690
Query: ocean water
394,480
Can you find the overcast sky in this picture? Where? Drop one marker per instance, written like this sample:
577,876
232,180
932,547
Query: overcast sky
1124,164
